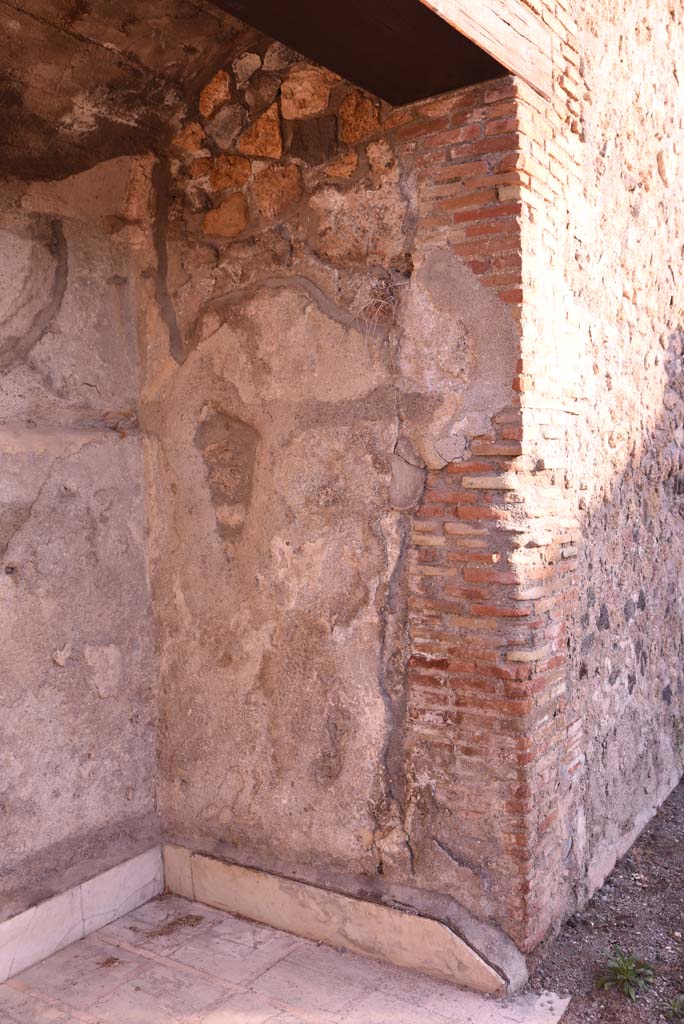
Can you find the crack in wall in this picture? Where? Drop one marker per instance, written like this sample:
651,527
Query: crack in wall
278,282
458,861
392,668
161,179
16,348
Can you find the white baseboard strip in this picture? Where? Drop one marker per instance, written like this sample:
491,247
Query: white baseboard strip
370,929
40,931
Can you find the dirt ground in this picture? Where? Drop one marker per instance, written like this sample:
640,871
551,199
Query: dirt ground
641,909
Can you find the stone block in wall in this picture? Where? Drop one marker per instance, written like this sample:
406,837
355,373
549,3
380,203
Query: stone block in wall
263,138
277,189
306,91
229,218
215,93
359,117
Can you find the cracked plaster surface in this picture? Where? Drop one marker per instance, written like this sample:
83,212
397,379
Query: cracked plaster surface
288,389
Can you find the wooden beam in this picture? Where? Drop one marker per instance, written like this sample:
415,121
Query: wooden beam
508,31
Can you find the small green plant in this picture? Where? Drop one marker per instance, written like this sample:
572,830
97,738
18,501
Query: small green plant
674,1010
626,973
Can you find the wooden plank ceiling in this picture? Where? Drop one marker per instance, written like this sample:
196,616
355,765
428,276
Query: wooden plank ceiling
397,49
406,50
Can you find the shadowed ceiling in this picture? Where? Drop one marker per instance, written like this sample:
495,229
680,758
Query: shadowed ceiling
397,49
83,81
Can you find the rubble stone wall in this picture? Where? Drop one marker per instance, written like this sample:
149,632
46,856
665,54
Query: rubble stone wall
602,313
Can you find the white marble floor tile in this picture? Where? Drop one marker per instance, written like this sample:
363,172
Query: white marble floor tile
457,1007
232,962
302,988
244,1008
383,1008
162,925
177,962
159,994
428,993
346,967
83,973
18,1007
248,933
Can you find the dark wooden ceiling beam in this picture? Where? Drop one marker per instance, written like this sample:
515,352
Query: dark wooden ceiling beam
400,50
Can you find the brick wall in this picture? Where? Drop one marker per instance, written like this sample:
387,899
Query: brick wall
495,542
494,552
571,559
464,151
550,162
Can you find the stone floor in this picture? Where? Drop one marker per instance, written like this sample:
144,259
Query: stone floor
174,962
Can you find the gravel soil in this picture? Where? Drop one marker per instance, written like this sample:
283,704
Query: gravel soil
641,909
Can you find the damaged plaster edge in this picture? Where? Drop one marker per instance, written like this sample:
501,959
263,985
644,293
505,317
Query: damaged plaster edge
44,929
61,441
405,939
300,282
17,348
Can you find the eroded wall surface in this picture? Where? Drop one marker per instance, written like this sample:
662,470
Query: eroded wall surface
326,297
77,660
82,83
313,350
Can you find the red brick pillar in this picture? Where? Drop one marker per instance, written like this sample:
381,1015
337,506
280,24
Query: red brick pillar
492,553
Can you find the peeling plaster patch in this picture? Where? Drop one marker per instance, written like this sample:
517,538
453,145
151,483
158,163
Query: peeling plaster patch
106,666
408,482
457,347
391,839
61,656
88,109
229,449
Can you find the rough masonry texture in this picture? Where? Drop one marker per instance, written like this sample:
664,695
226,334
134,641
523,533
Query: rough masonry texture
342,462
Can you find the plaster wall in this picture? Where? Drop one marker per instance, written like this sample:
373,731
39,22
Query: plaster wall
311,351
77,657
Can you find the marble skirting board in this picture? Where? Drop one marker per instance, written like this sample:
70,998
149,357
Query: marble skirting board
375,931
379,932
40,931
